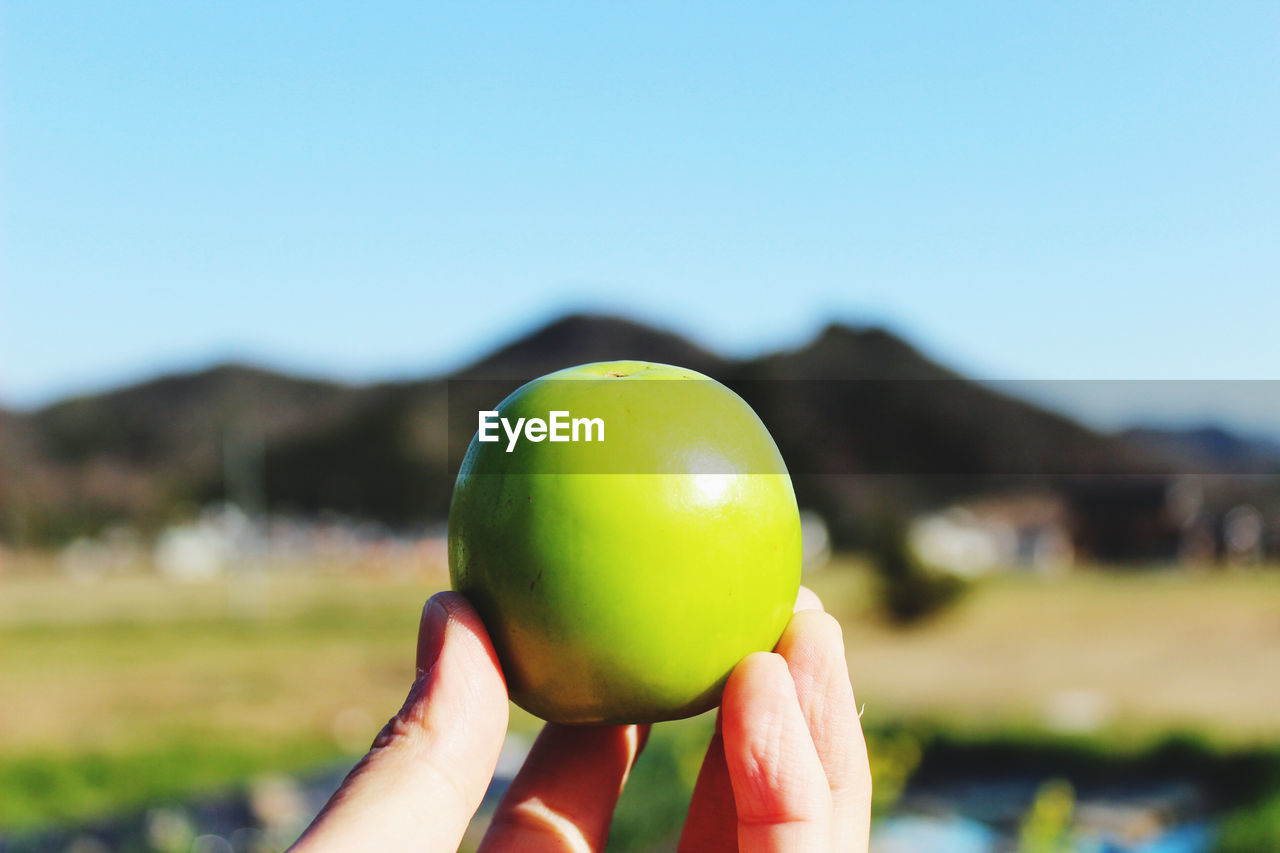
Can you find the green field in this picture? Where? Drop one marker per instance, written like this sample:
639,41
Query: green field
134,690
1147,653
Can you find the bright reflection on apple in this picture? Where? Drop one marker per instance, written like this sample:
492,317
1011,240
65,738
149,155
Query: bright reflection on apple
712,477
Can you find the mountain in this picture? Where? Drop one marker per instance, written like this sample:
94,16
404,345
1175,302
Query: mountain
582,338
1209,449
178,422
863,401
140,451
858,413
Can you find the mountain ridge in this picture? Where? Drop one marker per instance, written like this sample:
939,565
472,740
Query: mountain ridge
379,449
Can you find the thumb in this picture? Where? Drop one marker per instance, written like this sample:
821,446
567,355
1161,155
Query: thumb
429,767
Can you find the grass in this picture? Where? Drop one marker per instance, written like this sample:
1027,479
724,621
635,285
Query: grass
40,788
1251,829
134,690
125,662
122,692
1145,653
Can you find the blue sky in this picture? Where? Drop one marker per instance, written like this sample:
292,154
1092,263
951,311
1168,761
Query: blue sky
1025,190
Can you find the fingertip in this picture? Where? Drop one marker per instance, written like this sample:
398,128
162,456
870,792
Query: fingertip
454,602
456,608
759,687
814,628
443,610
756,662
807,599
757,672
431,630
813,647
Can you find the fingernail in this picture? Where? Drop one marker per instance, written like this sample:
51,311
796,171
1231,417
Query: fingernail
435,619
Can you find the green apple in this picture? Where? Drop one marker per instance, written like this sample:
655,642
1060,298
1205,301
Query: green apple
621,580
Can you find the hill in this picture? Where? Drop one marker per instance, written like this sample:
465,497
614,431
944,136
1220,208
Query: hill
858,413
1210,449
581,338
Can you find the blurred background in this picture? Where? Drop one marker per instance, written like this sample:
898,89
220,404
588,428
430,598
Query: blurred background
1001,278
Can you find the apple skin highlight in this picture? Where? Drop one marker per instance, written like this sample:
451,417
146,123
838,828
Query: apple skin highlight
621,581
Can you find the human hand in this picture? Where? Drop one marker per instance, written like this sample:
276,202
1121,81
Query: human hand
787,768
785,771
